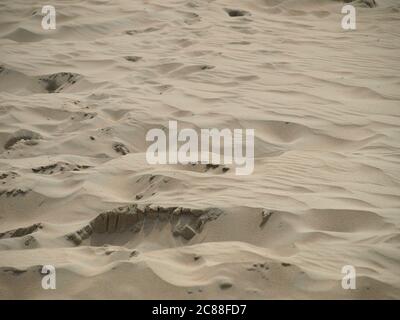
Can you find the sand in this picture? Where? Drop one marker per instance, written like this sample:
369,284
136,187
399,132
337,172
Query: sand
76,190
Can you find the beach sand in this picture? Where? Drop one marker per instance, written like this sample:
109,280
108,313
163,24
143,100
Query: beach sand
77,193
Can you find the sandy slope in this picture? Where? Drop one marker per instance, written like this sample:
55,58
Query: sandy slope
75,106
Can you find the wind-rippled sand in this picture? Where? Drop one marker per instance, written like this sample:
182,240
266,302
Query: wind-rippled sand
77,192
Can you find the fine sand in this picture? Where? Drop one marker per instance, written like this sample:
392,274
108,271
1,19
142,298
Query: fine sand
77,193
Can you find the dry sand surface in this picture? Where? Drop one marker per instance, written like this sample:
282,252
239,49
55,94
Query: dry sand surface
77,193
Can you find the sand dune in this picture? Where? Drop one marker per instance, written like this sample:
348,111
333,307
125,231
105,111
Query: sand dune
76,191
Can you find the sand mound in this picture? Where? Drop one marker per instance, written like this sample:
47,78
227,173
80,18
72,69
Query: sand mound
17,82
